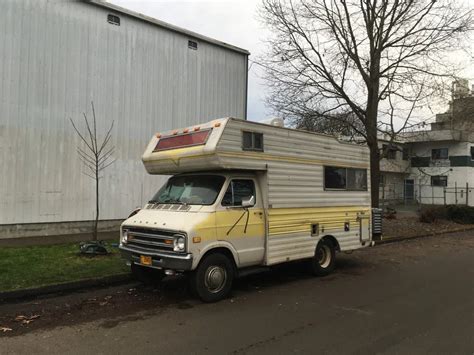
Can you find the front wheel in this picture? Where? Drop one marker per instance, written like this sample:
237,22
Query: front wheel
212,280
324,260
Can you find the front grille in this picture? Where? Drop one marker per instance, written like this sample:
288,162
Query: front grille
151,240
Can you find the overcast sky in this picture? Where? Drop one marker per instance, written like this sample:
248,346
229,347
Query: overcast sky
231,21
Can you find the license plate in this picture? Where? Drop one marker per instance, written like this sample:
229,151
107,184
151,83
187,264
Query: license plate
145,260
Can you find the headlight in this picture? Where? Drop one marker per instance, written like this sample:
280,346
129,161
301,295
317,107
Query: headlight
179,243
124,238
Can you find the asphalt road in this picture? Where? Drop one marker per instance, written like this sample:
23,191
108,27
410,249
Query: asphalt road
412,297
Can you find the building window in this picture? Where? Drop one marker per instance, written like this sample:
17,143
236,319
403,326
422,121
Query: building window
472,153
405,153
113,19
238,190
439,153
439,181
345,178
252,141
192,45
389,151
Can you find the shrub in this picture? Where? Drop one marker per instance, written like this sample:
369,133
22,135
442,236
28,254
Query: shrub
460,214
432,214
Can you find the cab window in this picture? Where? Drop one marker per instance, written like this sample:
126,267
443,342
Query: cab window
238,190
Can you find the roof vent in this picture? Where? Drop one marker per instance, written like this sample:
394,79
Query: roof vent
113,19
192,45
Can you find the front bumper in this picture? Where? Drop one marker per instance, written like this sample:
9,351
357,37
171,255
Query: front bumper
159,260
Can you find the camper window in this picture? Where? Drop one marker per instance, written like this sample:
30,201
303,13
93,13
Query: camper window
345,178
252,141
238,190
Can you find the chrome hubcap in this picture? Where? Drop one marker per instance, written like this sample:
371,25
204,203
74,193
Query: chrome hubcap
215,279
324,256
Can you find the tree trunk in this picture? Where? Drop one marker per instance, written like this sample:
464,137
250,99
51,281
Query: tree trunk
374,174
372,140
94,235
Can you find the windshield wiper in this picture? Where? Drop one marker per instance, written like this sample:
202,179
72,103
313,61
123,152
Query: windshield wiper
172,201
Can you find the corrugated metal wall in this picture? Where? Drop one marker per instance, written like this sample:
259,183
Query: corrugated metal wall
57,56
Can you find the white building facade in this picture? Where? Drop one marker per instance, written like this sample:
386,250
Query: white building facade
435,166
56,56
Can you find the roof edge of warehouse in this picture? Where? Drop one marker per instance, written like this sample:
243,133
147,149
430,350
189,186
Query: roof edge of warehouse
165,25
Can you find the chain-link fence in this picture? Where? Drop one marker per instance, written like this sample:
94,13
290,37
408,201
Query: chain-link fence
410,193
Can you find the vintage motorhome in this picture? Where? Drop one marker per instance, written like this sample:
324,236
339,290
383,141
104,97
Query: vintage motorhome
243,196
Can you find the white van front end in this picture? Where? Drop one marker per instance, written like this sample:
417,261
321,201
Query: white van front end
172,230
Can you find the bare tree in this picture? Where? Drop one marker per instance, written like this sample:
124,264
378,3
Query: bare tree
344,124
379,59
95,155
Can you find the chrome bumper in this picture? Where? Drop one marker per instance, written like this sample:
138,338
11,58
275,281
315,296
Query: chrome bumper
159,260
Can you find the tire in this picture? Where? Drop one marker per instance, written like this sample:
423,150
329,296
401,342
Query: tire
212,280
324,260
146,275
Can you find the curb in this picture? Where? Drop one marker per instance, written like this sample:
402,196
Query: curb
399,239
65,287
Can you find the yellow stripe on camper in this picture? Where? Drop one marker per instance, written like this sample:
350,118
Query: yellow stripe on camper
283,221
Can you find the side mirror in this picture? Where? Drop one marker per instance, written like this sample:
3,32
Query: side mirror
248,202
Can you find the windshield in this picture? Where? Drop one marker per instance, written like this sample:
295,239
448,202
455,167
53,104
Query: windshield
190,190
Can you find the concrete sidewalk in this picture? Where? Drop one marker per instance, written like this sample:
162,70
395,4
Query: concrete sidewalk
57,239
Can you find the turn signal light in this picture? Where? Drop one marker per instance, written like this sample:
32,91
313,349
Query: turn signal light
168,241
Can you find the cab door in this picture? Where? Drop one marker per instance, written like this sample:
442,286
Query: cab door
243,227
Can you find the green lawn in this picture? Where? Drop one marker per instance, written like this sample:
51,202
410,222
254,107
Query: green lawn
29,267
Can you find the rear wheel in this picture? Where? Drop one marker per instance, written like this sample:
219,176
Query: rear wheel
324,260
212,280
147,275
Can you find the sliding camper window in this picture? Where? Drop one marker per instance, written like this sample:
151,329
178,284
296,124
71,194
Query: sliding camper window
337,178
238,190
252,141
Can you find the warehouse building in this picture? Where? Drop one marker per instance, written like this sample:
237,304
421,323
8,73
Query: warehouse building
56,56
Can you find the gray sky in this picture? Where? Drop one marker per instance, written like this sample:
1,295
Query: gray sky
234,22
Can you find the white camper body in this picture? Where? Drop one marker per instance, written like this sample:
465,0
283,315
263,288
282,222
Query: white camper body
281,194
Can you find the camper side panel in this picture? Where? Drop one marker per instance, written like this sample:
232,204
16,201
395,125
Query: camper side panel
300,209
